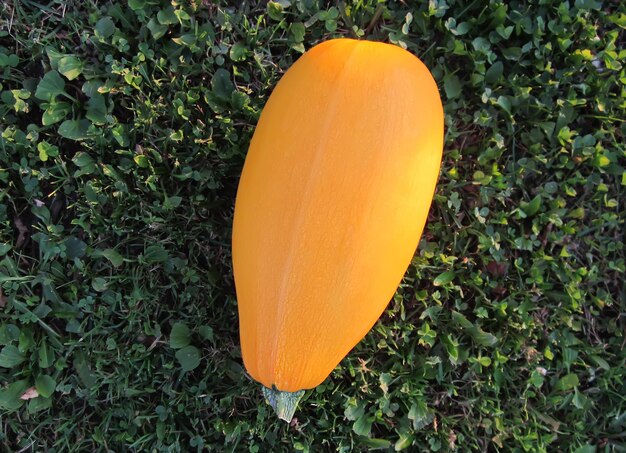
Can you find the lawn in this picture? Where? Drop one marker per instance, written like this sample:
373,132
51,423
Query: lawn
123,131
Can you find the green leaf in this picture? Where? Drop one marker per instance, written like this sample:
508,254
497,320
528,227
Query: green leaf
97,109
113,256
512,53
42,310
445,278
536,379
601,362
580,400
39,404
136,5
221,85
206,332
353,410
522,243
587,448
70,66
172,202
46,355
91,87
404,441
498,15
120,135
427,335
10,356
618,19
484,361
180,336
567,382
85,162
142,161
54,56
462,28
531,208
26,340
46,150
239,51
483,338
99,284
461,320
74,247
505,103
420,414
188,40
481,45
298,47
297,31
84,371
104,28
10,60
155,254
376,444
363,425
494,73
10,396
55,112
177,136
167,16
275,10
4,248
50,86
157,29
452,86
452,349
45,385
74,129
602,161
188,357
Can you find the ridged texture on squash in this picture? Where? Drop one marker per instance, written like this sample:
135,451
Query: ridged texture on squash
332,202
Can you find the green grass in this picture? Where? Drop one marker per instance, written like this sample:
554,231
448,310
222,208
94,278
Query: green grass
123,131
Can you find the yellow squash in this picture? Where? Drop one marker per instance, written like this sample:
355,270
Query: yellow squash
331,205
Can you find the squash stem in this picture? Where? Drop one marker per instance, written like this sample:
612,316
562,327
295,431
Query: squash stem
284,403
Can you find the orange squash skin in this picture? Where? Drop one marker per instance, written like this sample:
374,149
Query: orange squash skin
331,205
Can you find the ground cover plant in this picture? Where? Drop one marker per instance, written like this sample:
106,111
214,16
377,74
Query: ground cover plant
123,130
